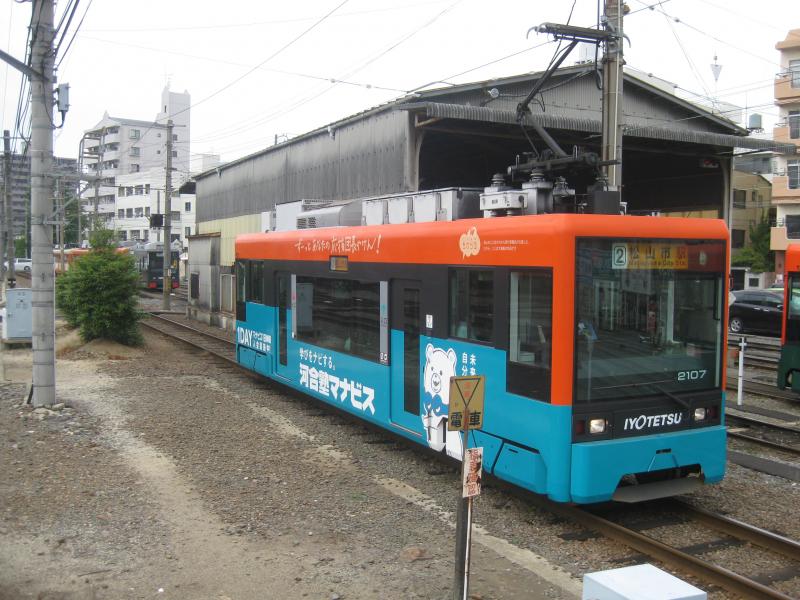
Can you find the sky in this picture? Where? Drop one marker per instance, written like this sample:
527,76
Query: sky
260,69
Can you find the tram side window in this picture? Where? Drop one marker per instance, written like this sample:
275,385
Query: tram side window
255,282
530,334
339,314
471,304
241,277
793,311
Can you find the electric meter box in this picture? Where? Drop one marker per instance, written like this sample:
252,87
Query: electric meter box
17,315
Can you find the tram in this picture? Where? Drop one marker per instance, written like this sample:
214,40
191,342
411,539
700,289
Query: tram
602,338
150,264
789,362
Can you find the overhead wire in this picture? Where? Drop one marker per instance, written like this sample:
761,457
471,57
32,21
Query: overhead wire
74,35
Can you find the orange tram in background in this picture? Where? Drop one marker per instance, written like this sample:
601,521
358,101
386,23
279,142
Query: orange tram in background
602,338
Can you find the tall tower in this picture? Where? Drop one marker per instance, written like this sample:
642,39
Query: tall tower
175,106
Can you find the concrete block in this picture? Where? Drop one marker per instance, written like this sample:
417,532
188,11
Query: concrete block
639,582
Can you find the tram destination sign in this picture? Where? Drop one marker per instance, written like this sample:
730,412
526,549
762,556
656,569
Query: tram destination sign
649,255
466,403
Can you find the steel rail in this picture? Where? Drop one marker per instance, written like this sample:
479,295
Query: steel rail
658,550
744,531
764,442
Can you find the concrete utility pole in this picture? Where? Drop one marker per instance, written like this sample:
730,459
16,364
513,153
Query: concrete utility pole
167,269
62,215
42,280
8,220
612,94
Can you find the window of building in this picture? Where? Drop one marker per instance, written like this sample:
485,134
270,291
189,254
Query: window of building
793,172
147,188
794,124
175,215
121,191
134,151
339,314
134,234
174,237
174,154
138,211
737,238
121,213
134,168
123,235
471,304
187,231
113,130
757,199
792,226
530,334
158,151
129,213
794,71
158,134
752,282
145,234
174,137
139,190
187,207
146,211
739,199
134,134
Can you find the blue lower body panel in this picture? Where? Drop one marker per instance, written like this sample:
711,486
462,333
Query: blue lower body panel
597,467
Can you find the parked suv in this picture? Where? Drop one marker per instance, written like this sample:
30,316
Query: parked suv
757,311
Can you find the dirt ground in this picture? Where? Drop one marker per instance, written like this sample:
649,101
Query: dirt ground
168,475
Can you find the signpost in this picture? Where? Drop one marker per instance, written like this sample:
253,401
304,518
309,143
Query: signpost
465,412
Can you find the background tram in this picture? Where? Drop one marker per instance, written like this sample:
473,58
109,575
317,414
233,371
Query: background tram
150,263
789,363
602,338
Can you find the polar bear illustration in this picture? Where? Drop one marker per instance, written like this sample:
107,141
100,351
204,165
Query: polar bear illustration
440,366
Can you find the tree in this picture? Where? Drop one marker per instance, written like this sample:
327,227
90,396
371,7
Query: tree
98,293
757,254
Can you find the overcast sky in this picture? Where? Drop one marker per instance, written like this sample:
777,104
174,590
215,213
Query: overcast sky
257,69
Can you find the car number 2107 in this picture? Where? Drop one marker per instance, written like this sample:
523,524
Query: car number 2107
694,375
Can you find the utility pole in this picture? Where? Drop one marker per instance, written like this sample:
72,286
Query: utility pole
612,94
8,221
42,280
167,267
62,215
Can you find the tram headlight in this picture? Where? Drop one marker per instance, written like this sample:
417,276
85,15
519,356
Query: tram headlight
597,426
700,414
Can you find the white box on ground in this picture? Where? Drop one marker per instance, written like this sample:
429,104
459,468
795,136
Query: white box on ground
17,315
639,582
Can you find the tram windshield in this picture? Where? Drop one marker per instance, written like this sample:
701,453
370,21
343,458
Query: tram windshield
649,318
793,310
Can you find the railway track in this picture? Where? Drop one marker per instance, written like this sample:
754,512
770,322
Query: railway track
695,558
689,560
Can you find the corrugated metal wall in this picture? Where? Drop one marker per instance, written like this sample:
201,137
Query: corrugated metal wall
228,230
363,158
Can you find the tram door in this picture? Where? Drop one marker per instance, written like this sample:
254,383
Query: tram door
406,316
282,329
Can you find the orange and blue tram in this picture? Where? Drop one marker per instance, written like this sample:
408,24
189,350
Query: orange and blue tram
602,339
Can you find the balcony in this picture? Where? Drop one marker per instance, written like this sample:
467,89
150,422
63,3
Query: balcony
778,238
781,135
781,194
784,92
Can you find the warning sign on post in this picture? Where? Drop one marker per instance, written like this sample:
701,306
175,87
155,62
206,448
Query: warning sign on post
466,403
472,473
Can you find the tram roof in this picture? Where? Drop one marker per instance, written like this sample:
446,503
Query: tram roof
542,239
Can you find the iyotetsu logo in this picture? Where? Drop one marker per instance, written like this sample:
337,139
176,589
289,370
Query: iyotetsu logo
645,421
470,243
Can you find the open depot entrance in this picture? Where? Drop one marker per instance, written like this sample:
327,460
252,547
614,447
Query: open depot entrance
668,177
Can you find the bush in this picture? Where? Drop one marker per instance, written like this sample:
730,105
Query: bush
98,294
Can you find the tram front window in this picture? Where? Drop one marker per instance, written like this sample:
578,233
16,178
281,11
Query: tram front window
648,318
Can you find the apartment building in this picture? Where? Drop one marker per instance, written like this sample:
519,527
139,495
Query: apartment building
786,168
65,185
140,195
120,146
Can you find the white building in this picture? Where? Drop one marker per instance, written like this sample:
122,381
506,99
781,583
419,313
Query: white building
140,195
120,146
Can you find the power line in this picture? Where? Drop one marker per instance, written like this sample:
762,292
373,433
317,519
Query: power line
74,34
700,31
263,62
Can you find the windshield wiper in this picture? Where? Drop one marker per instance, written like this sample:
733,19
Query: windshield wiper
672,396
